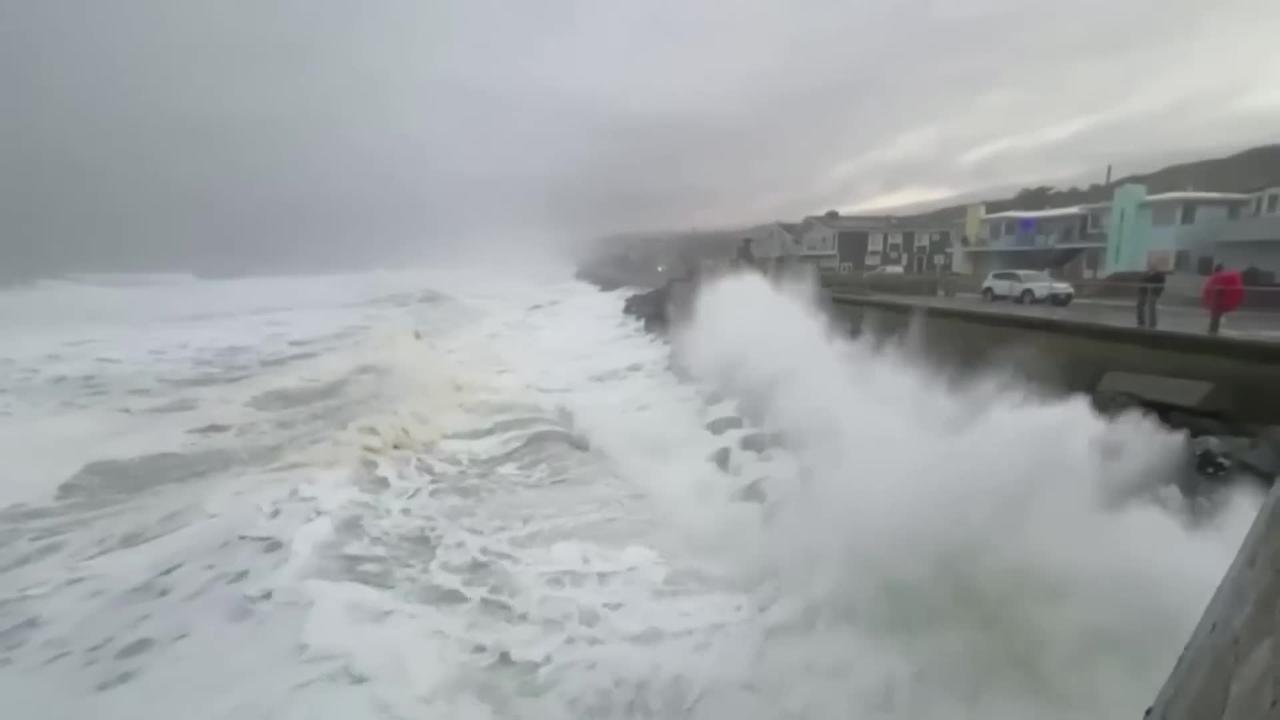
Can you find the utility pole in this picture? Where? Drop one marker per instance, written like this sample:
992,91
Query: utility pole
1108,182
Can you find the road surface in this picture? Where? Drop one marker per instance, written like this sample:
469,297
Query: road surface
1180,318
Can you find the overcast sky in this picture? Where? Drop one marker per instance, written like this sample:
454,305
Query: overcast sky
161,133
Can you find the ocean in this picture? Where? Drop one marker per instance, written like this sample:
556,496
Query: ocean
460,495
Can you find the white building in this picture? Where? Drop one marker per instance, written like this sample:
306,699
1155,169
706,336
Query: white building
1252,238
818,236
774,240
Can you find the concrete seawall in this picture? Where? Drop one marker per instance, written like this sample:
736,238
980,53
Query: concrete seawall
1074,356
1230,669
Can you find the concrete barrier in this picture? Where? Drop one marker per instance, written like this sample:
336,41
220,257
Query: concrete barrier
1075,356
1230,669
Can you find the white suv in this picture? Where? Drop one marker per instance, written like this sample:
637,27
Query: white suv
1027,286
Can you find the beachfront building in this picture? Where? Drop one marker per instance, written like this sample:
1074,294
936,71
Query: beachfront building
861,243
1173,231
1253,239
916,248
774,240
1069,241
824,239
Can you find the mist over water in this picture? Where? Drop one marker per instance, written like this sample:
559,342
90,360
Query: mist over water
422,495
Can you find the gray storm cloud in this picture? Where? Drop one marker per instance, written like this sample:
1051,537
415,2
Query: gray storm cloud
158,134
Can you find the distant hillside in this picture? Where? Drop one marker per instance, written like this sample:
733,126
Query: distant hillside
1243,172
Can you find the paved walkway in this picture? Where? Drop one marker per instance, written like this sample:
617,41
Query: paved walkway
1180,318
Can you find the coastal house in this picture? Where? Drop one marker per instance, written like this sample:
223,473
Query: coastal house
1174,231
858,243
918,248
774,240
822,239
1069,240
1252,240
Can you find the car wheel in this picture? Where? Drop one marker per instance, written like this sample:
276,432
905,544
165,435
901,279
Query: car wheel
988,294
1064,301
1027,297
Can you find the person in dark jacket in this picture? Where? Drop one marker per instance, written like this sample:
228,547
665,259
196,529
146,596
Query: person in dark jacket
1148,295
746,258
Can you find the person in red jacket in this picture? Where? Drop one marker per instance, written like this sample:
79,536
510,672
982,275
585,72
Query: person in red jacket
1223,292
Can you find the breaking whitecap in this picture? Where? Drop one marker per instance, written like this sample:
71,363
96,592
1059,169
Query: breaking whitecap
500,501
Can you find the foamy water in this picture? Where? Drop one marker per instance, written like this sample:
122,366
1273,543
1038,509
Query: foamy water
407,496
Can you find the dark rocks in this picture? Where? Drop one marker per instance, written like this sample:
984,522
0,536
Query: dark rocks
1219,450
658,308
650,306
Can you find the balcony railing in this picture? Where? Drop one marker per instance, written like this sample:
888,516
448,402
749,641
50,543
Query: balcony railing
1039,241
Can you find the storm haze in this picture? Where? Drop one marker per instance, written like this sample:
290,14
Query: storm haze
239,135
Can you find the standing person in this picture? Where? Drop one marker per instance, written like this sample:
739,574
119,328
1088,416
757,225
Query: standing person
746,257
1148,294
1223,292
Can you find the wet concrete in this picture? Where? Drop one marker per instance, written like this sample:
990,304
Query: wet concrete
1074,356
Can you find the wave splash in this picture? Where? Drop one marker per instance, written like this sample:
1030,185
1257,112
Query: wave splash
943,551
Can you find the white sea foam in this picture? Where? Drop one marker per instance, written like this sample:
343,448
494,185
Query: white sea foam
355,498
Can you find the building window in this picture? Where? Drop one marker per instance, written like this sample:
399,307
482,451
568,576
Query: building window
1204,266
908,238
1257,205
1182,261
1188,216
1095,221
1273,200
875,242
1164,214
1010,228
1068,234
945,237
1233,212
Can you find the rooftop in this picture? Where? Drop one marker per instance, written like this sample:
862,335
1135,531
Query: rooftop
850,222
1196,196
1032,214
